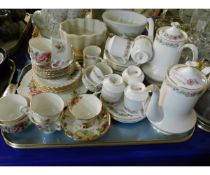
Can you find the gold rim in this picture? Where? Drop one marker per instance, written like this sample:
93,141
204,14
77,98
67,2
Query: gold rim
111,143
94,137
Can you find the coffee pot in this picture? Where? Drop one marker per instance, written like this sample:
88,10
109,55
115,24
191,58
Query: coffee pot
170,109
167,48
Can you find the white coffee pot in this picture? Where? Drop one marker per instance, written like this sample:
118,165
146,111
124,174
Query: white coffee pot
171,108
167,48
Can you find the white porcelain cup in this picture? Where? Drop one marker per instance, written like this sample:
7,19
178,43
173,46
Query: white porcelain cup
40,50
112,88
85,108
91,55
96,75
119,47
135,96
133,74
11,119
142,50
45,110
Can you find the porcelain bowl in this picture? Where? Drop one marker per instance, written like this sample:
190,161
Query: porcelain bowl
124,23
81,33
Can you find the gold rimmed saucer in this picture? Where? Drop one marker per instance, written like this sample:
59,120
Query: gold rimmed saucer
76,131
61,84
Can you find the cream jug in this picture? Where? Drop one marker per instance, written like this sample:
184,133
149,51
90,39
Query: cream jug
167,47
171,109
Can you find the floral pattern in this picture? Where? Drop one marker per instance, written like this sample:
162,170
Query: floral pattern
16,128
184,92
45,57
60,47
33,89
163,42
80,133
74,101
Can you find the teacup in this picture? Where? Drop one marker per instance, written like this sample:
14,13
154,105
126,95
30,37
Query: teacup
85,108
11,119
96,75
44,111
119,47
40,50
135,96
112,88
91,55
133,74
142,51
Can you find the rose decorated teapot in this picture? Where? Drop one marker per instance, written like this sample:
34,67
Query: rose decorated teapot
167,48
170,109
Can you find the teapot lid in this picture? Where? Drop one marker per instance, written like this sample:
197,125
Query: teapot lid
187,76
173,33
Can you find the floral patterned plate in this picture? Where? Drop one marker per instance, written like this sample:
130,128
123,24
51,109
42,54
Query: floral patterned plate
75,130
119,113
61,82
28,89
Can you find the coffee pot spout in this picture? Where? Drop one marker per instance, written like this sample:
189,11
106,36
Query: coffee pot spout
154,111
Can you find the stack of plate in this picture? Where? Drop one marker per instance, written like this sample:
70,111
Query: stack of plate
54,72
61,84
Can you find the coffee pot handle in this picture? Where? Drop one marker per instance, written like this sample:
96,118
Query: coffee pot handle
151,28
193,48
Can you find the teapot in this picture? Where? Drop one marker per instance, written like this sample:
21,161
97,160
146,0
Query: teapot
170,109
167,48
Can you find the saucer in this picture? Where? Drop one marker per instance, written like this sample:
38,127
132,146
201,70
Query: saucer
27,88
77,132
116,64
61,84
119,113
88,83
174,125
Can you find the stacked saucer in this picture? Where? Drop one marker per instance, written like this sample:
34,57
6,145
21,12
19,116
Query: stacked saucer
54,71
60,84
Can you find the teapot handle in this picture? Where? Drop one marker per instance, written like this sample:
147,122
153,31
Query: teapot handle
151,28
193,48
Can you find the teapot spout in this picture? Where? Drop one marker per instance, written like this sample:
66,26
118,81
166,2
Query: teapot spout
154,112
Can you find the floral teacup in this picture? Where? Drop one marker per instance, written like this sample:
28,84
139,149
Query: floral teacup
40,50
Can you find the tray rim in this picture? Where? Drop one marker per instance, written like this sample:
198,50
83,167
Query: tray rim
90,144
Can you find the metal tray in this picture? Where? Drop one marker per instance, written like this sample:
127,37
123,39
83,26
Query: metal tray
7,71
118,134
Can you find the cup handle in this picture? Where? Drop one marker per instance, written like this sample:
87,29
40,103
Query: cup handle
27,111
151,28
193,48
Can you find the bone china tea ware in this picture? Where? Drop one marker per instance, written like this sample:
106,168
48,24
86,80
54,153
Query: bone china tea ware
112,88
135,96
85,108
40,50
168,45
171,109
45,109
96,75
133,74
119,47
11,119
127,23
91,55
81,33
142,51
